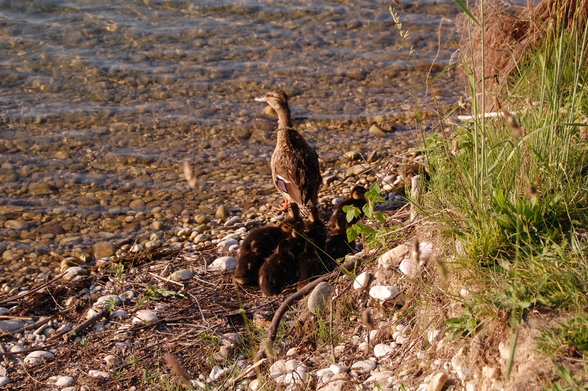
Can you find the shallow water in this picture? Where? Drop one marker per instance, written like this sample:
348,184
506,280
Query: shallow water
100,102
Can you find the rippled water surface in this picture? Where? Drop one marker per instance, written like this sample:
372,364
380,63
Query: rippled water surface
100,102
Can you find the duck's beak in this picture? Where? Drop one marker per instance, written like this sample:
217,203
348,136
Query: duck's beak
261,99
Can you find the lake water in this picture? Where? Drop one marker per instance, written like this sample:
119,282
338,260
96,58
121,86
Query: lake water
101,102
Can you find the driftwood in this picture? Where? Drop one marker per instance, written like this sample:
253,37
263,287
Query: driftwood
294,297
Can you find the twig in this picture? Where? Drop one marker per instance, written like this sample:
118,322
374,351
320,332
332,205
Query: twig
33,290
83,326
167,280
294,297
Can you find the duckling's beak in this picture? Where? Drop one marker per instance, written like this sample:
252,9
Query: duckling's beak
261,99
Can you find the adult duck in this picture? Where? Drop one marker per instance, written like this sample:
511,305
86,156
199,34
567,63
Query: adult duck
294,163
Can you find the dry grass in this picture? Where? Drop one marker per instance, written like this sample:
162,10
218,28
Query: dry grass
510,33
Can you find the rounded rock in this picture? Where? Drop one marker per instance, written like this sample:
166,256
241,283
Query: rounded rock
61,381
319,297
384,292
181,275
223,264
145,316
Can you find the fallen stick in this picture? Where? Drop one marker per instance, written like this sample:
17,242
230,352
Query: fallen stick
294,297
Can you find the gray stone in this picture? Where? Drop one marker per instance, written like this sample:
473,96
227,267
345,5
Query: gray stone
4,380
9,325
61,381
181,275
145,316
319,297
364,366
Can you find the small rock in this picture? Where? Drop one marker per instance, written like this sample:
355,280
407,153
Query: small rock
382,350
358,169
217,372
101,374
383,379
432,334
157,225
37,357
223,264
144,316
103,250
335,385
4,310
74,271
221,212
408,267
394,256
4,380
119,314
181,275
364,366
288,372
112,361
384,292
16,224
437,382
61,381
362,280
463,292
7,326
376,130
226,244
319,297
107,300
232,220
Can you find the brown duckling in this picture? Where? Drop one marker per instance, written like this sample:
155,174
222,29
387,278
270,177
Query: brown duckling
280,269
260,243
294,163
337,245
312,260
339,217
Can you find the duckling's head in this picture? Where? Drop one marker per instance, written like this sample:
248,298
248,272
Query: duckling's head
358,192
275,98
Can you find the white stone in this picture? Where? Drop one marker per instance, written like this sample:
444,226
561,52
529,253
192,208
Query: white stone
362,280
408,267
288,372
291,352
338,368
382,379
432,334
392,257
107,300
181,275
421,355
364,366
37,357
96,373
400,327
233,220
217,372
74,271
401,339
382,350
135,248
112,361
325,373
425,251
223,264
437,382
4,380
463,292
17,348
91,313
471,385
384,292
144,316
226,244
61,381
234,248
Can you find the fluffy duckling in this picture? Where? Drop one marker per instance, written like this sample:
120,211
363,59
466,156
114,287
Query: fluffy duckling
294,163
260,243
337,245
312,259
280,269
339,217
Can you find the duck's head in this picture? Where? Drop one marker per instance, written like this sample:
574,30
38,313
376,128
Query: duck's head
275,98
358,192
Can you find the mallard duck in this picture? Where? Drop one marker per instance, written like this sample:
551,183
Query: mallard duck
260,243
312,260
280,269
337,245
294,163
338,220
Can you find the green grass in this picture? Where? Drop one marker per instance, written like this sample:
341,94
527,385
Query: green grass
515,198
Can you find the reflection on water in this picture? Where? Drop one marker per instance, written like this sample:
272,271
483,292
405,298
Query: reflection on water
101,100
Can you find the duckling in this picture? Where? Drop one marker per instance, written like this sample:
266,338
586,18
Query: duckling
337,245
339,217
279,270
312,260
259,244
294,163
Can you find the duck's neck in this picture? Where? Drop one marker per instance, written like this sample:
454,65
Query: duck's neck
284,120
